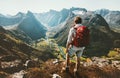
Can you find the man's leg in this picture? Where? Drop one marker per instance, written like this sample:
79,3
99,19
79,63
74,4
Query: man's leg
77,65
66,68
67,61
78,55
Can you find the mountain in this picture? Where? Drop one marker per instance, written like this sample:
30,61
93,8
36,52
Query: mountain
102,38
54,18
22,25
11,20
112,18
102,12
31,27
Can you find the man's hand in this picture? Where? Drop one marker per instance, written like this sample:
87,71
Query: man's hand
66,50
67,47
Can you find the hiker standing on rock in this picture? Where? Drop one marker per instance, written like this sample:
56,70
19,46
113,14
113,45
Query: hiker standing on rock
78,38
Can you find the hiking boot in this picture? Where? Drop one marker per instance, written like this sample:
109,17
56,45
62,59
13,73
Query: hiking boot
65,69
75,70
75,73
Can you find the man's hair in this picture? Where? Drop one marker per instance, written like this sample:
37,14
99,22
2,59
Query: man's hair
78,20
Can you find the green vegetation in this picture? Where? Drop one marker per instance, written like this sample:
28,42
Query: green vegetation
13,39
112,53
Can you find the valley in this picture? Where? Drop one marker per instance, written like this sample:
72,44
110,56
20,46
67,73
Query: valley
32,45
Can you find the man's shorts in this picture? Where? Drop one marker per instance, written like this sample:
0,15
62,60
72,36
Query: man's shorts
76,51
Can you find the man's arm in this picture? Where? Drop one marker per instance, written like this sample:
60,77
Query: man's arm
69,41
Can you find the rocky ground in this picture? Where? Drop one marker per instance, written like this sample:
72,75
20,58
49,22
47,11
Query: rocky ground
95,68
91,68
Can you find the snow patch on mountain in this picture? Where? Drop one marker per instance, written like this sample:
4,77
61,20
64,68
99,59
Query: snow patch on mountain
78,12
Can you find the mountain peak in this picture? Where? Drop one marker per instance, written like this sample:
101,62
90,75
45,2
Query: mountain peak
19,13
53,11
29,24
29,13
64,9
80,9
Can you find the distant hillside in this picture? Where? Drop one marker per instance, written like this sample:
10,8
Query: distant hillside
53,18
11,20
102,38
31,27
17,33
112,18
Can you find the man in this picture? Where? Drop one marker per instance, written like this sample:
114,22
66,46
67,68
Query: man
71,49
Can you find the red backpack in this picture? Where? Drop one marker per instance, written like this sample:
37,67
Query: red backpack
82,37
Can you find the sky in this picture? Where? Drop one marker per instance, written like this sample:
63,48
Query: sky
12,7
